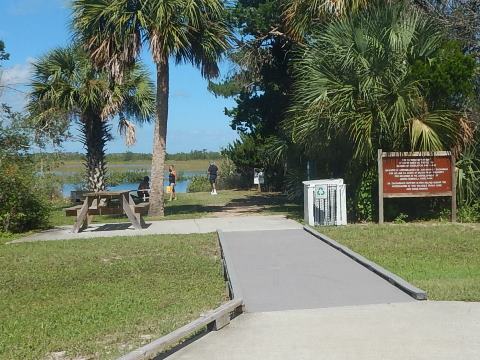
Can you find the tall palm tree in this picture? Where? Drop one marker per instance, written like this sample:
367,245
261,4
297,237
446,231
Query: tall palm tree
301,14
114,32
354,81
66,87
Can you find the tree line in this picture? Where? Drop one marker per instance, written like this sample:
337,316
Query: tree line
132,156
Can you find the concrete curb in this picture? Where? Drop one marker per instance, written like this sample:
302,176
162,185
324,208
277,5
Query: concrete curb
213,320
231,275
396,280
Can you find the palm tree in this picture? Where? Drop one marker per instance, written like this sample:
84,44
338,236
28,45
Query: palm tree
190,31
301,14
353,82
66,87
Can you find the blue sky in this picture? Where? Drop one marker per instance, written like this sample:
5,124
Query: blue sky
30,28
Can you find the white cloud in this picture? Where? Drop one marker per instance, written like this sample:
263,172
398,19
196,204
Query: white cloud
13,84
18,74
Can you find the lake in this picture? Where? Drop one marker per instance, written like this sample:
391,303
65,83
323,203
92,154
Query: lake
180,188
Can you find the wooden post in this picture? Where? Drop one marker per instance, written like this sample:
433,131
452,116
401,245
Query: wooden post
380,186
81,215
454,190
128,209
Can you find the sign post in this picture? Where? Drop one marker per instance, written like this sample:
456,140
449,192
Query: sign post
416,174
380,187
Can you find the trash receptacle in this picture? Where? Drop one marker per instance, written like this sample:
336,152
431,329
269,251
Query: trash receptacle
325,202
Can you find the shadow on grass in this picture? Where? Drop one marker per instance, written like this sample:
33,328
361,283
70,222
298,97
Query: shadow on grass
191,209
251,204
255,204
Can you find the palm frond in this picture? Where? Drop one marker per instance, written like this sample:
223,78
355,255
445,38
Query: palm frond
353,81
433,131
114,32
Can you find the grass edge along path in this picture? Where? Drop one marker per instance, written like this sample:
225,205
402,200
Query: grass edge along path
442,259
100,298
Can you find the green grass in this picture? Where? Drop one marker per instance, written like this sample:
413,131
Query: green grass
196,205
443,259
100,298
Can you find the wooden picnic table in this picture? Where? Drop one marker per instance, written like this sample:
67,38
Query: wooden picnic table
107,202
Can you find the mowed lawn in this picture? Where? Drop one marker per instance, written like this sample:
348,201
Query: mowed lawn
100,298
443,259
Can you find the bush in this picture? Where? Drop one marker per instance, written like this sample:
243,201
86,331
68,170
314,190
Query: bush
469,213
364,200
199,184
22,203
230,178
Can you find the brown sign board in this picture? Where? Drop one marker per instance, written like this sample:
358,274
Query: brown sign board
416,174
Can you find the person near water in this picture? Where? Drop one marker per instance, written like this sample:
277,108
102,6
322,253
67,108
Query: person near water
144,189
172,179
212,176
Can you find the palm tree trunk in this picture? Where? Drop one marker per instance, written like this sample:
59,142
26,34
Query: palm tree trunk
159,140
95,135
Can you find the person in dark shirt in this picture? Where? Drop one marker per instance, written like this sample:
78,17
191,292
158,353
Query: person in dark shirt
145,186
212,176
172,179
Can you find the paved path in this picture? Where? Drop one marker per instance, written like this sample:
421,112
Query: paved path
291,269
189,226
420,330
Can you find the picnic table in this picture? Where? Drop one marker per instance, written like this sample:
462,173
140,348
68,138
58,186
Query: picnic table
107,203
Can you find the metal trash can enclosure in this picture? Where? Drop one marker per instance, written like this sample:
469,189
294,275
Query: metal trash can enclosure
325,202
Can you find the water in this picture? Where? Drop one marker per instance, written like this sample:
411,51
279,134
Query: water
181,187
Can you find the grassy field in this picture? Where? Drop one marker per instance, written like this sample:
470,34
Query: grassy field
181,166
195,205
100,298
443,259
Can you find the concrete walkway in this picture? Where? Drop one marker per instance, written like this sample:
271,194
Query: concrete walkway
291,269
189,226
409,331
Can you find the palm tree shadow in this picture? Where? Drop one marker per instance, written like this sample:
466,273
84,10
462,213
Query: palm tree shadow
252,204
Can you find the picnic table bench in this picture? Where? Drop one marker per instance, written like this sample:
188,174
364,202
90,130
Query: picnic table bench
107,203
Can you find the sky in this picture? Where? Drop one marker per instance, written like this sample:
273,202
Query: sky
31,28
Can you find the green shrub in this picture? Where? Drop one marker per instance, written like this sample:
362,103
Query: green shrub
401,219
469,213
23,205
230,178
364,196
199,184
23,201
294,185
131,176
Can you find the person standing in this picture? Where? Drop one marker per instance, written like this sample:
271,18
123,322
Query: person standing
212,176
172,179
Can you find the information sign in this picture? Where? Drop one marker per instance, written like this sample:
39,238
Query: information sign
415,174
